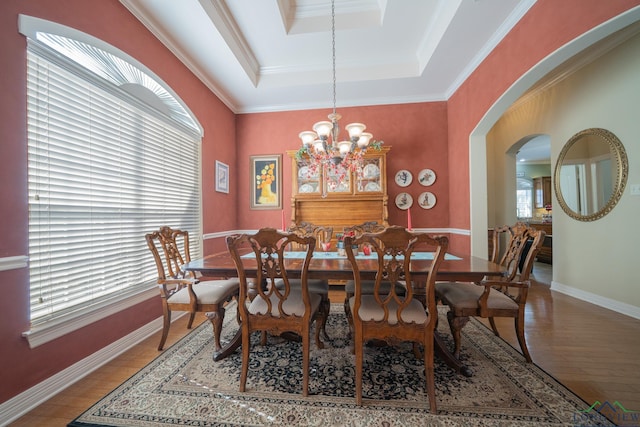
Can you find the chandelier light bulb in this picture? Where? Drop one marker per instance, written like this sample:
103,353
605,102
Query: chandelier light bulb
355,130
364,139
345,147
307,137
323,129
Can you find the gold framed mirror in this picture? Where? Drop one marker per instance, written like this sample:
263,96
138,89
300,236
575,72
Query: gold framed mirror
590,174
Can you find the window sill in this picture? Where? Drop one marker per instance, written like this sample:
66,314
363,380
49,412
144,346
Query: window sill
49,331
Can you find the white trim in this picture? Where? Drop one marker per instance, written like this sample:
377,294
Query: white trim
14,262
19,405
608,303
56,329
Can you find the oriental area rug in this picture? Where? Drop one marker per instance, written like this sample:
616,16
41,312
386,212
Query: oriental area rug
184,386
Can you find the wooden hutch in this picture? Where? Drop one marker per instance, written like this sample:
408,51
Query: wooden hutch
360,198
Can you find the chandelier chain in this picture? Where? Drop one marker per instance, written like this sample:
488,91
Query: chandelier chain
333,46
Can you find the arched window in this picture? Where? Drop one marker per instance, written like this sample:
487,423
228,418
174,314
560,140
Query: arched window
112,155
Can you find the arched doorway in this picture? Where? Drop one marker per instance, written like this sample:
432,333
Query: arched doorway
478,151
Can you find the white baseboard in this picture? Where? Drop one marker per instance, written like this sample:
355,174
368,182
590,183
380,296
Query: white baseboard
608,303
19,405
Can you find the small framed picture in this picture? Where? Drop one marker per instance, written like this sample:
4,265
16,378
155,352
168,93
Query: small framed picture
266,182
222,177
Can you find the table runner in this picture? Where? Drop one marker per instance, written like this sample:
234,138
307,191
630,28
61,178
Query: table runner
334,255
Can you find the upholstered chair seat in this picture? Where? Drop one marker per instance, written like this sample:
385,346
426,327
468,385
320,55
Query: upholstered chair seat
207,292
292,306
466,295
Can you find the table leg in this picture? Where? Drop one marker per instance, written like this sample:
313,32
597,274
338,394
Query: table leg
439,345
448,357
230,347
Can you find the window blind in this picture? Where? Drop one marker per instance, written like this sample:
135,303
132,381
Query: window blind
102,174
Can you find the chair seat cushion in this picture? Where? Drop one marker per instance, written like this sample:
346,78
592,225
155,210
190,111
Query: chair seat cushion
371,310
315,286
207,292
292,306
465,296
367,287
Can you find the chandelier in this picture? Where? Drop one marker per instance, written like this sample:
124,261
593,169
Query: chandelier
323,149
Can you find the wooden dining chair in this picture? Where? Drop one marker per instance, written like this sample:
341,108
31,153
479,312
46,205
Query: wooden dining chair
366,285
181,290
501,239
266,307
322,234
387,315
497,297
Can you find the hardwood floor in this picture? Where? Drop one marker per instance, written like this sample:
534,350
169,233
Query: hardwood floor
591,350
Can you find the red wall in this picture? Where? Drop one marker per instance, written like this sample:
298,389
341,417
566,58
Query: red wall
434,135
111,22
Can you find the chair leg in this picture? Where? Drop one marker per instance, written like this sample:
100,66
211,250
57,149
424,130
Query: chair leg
165,327
305,362
429,373
216,318
456,324
492,322
519,321
325,308
318,321
192,315
347,312
359,348
416,351
246,342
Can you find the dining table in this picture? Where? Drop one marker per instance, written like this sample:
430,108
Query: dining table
331,266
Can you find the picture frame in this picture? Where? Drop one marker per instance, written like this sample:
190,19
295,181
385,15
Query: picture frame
266,181
222,177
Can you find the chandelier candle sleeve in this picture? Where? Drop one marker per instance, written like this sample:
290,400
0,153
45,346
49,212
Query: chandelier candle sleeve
409,219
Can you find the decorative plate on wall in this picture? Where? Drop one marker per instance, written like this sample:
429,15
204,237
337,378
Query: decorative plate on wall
426,177
404,201
403,178
427,200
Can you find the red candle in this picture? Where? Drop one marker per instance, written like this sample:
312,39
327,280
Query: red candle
284,227
409,219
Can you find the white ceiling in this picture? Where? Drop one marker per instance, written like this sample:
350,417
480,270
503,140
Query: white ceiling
535,151
276,55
